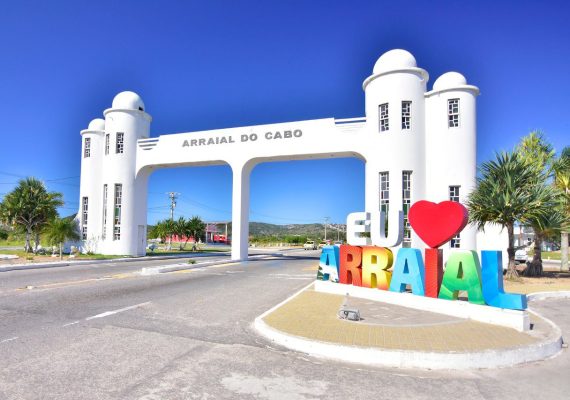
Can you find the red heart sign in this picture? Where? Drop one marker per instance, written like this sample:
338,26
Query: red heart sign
435,223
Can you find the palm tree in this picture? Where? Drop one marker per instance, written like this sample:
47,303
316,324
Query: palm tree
507,192
539,155
30,207
60,230
182,230
562,182
197,229
163,230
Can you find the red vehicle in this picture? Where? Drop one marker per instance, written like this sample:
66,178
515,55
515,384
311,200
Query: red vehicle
220,239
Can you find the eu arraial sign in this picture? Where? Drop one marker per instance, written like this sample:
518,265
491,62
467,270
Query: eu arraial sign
416,144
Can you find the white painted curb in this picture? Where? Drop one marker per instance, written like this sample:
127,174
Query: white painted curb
184,266
548,295
547,348
514,319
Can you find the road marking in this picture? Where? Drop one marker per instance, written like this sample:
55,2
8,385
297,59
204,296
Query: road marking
78,282
9,340
300,279
71,323
108,313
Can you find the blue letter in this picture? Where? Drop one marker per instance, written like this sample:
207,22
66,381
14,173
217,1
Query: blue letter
408,270
493,291
328,263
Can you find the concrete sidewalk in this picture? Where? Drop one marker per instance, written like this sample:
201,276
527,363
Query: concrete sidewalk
388,330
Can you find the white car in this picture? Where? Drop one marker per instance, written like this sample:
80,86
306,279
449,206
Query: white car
521,256
310,245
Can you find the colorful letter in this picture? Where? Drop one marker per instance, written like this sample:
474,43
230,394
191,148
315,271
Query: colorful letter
350,258
408,270
434,271
356,224
329,263
493,291
378,228
375,262
462,272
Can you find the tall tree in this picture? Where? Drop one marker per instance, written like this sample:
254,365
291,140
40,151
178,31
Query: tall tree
30,207
540,156
182,230
162,230
562,182
506,192
59,230
197,229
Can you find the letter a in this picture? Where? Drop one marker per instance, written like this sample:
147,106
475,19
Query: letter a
462,272
408,270
329,263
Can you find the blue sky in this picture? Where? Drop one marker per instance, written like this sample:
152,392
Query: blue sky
214,64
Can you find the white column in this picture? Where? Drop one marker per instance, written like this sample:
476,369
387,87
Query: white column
240,210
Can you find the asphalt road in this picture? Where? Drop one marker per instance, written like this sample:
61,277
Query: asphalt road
104,332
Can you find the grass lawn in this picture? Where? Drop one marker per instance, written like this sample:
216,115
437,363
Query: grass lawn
549,255
30,257
176,252
6,243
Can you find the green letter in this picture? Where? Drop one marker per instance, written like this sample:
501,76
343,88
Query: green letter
462,272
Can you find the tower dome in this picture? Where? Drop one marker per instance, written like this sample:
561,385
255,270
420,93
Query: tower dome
449,80
97,124
394,60
128,101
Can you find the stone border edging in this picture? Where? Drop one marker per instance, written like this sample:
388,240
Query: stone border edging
547,348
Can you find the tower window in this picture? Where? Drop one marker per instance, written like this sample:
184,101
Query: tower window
406,115
117,213
87,148
104,235
120,146
384,122
455,242
384,191
107,139
406,203
84,215
453,113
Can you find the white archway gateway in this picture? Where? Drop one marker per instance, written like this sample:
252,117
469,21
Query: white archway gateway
416,144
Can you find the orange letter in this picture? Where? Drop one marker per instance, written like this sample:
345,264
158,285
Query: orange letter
350,271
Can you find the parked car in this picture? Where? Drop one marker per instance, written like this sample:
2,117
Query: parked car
521,256
310,245
338,242
323,244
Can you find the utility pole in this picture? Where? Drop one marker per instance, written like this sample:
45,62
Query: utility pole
172,196
326,221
